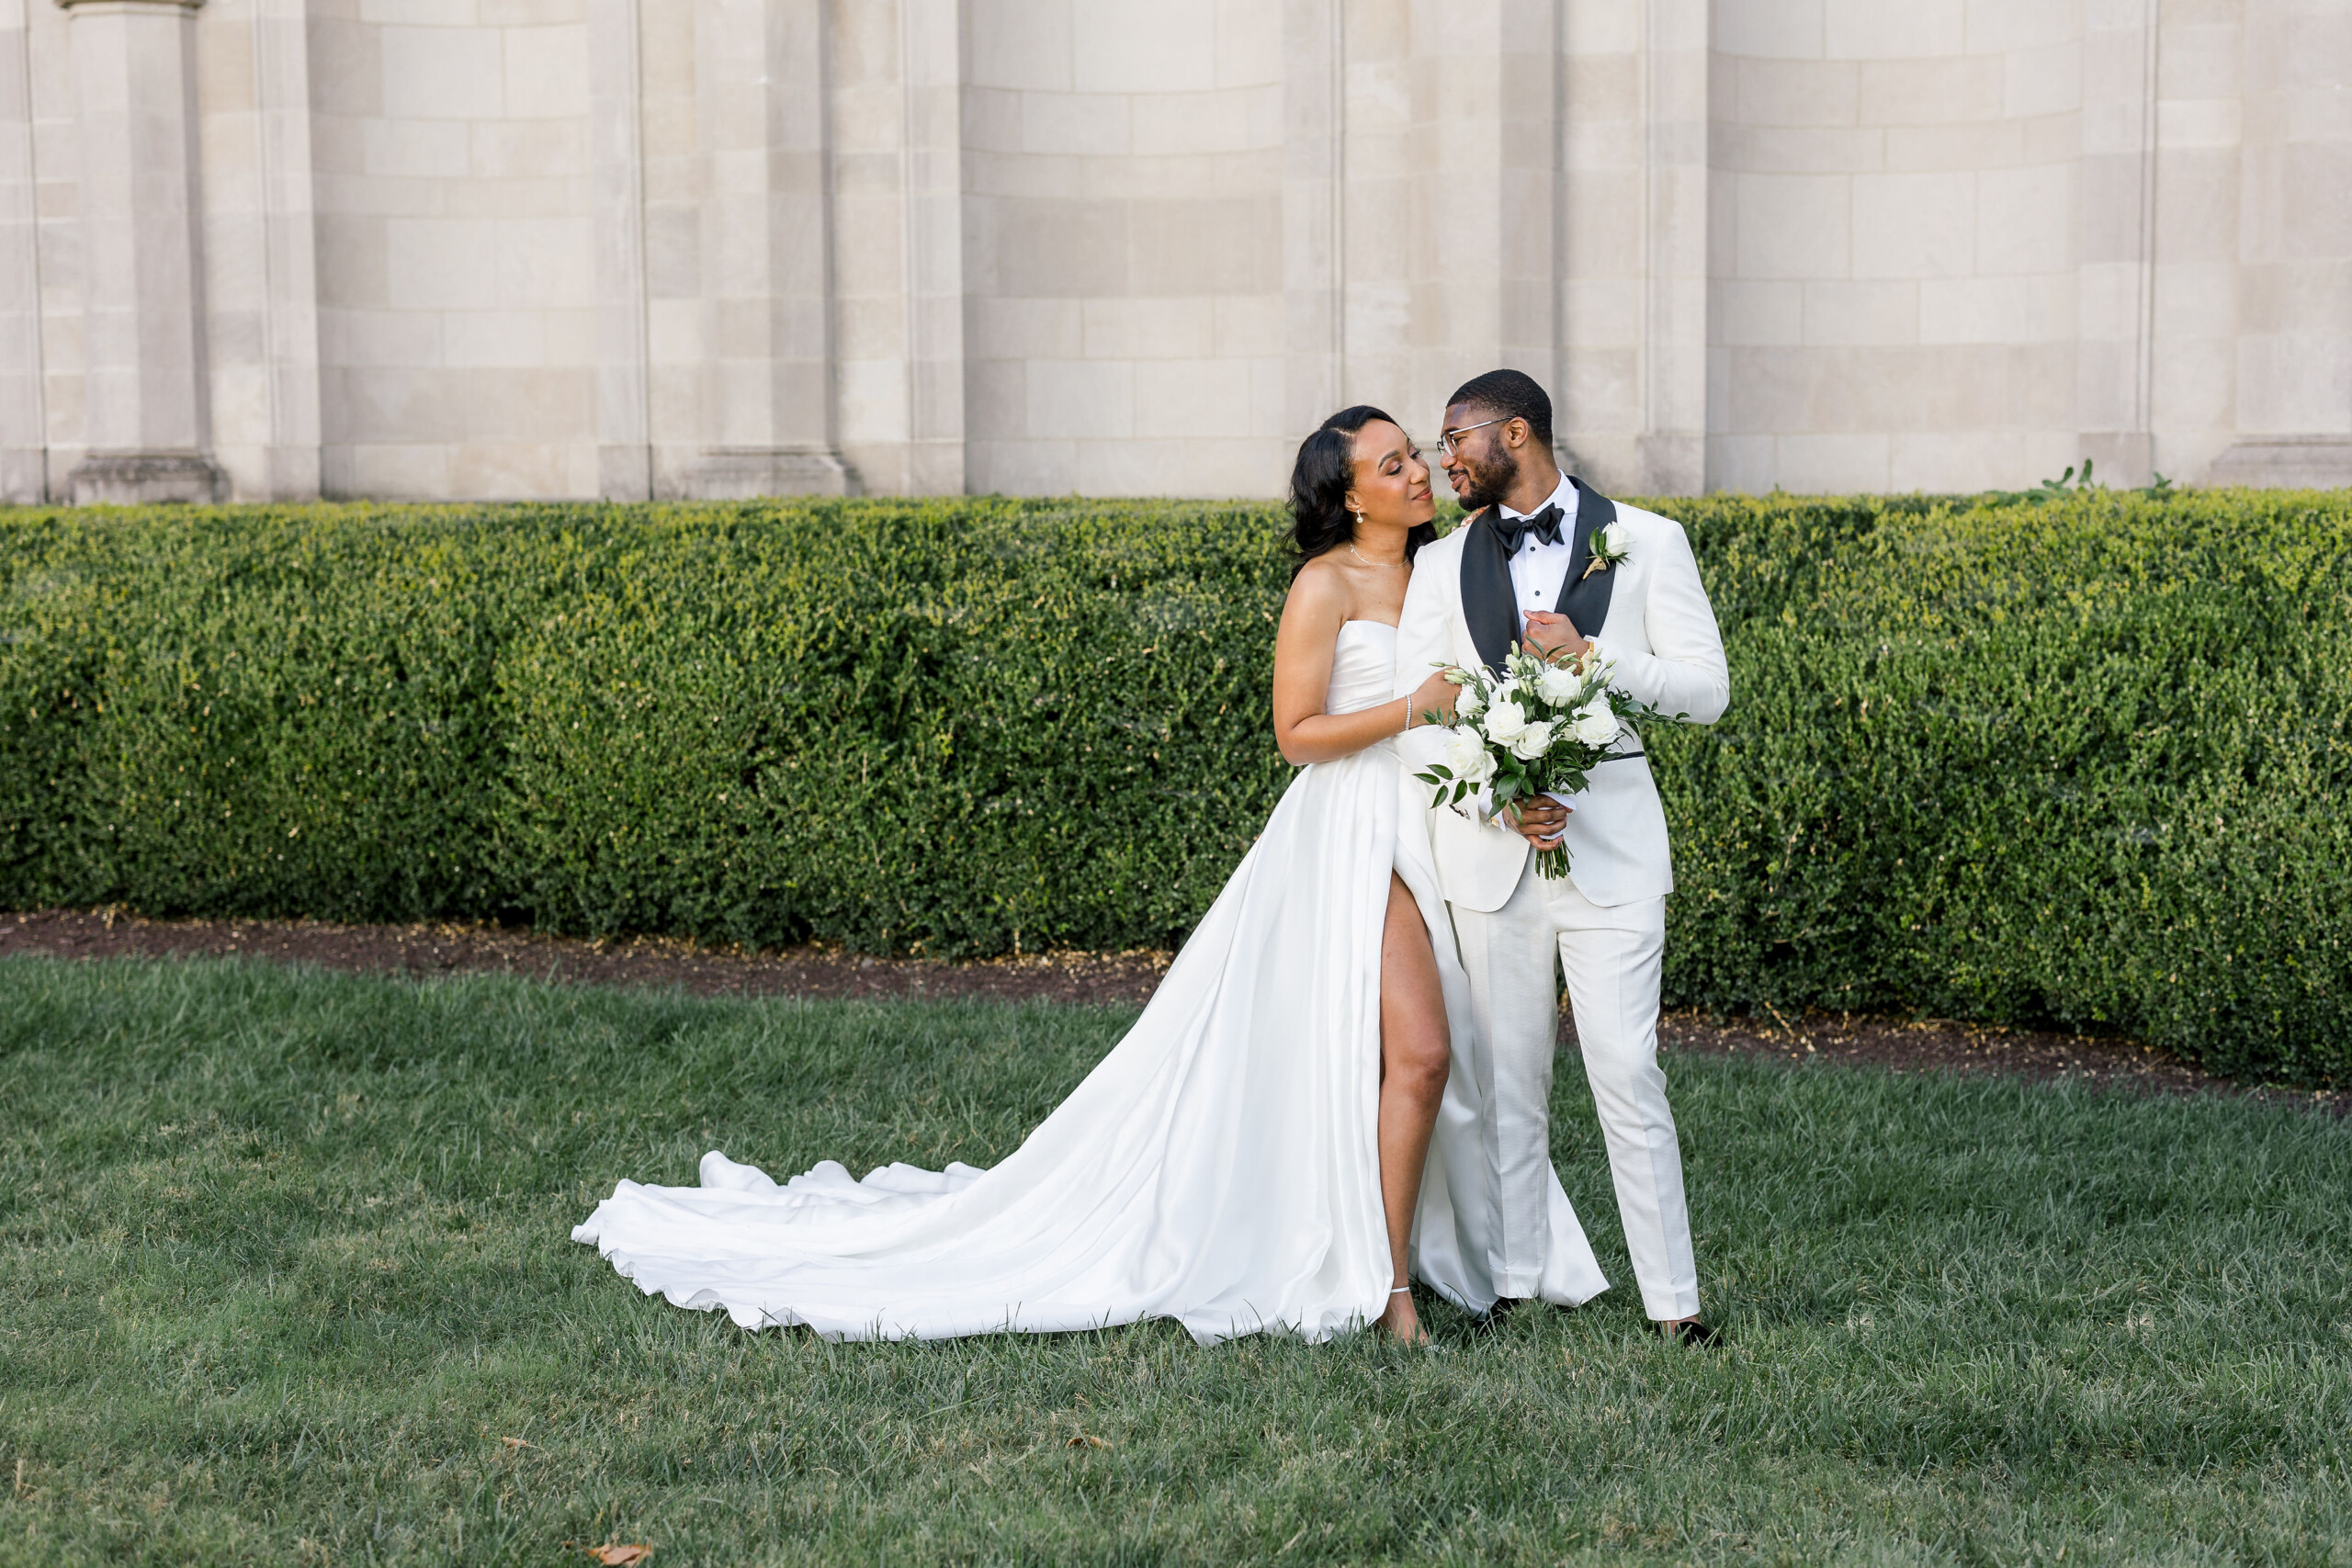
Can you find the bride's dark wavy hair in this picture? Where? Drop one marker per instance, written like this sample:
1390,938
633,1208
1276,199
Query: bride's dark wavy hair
1319,481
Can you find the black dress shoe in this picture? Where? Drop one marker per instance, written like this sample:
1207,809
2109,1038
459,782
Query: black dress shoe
1697,1336
1498,1314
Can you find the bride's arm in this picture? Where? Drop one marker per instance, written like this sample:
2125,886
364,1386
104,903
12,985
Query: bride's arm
1420,649
1304,645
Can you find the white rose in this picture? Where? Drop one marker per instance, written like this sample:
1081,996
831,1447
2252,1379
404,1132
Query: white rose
1559,685
1529,743
1614,537
1504,720
1468,704
1467,757
1595,725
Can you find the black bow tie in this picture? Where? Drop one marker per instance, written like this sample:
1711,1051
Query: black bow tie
1514,531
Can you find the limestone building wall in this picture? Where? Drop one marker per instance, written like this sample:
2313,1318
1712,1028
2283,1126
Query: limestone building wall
1122,211
659,248
1954,241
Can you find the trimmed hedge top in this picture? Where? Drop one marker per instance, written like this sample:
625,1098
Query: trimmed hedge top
2076,762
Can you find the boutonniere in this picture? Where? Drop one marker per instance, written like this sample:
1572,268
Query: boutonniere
1608,549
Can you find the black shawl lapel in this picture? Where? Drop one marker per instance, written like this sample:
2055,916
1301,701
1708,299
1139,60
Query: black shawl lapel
1585,600
1487,597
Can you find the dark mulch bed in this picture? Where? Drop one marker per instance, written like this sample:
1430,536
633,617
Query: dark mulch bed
1942,1045
416,952
1123,979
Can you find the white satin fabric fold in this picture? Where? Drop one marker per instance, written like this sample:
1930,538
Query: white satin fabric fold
1220,1166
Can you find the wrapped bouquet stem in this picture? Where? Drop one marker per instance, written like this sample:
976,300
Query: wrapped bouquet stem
1539,727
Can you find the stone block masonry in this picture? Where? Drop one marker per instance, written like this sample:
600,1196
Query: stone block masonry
419,249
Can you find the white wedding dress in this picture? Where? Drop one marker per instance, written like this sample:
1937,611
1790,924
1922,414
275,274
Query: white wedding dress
1220,1166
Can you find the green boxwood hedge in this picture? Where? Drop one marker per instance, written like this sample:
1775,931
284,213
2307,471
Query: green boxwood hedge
2076,759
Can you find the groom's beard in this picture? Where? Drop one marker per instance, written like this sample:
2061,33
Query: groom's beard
1488,482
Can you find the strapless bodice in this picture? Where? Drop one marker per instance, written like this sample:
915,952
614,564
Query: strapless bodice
1363,667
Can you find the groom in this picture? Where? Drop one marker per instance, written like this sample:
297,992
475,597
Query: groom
1522,570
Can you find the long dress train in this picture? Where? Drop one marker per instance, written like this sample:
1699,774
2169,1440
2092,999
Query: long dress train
1220,1166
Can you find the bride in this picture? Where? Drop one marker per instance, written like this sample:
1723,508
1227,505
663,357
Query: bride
1286,1130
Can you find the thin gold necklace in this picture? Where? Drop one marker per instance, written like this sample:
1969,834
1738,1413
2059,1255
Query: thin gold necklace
1368,561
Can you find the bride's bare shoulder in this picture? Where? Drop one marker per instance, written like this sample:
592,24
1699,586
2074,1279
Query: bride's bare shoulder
1321,597
1320,581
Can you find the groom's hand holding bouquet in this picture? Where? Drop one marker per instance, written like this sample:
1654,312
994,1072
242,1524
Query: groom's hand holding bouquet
1533,734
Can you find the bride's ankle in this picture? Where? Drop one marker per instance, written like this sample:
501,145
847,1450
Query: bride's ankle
1400,1322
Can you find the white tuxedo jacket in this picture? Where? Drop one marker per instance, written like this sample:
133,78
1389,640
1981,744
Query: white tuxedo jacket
1655,624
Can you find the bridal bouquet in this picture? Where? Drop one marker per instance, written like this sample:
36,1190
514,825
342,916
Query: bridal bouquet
1539,729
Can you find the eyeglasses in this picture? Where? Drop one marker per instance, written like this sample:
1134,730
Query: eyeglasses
1450,438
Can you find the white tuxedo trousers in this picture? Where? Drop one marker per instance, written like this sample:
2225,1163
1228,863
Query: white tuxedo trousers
1612,958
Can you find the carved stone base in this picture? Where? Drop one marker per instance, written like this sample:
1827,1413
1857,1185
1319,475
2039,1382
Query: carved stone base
23,476
929,467
2122,458
292,473
141,479
2287,462
1673,464
624,472
745,473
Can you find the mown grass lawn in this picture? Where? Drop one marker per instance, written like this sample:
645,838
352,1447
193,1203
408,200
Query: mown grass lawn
288,1279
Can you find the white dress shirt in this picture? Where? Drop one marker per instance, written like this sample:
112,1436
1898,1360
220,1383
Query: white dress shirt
1539,571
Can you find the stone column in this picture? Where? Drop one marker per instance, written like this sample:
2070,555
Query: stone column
1313,176
290,312
1450,203
1355,192
2115,265
2293,352
134,88
931,66
623,449
259,288
24,436
1490,144
767,402
1675,66
894,93
1528,87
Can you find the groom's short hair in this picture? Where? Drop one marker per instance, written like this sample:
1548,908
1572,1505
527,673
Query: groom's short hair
1510,394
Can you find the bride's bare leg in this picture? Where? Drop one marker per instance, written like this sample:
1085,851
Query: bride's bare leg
1414,1058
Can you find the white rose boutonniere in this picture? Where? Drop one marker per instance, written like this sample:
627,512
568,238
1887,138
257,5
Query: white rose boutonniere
1610,548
